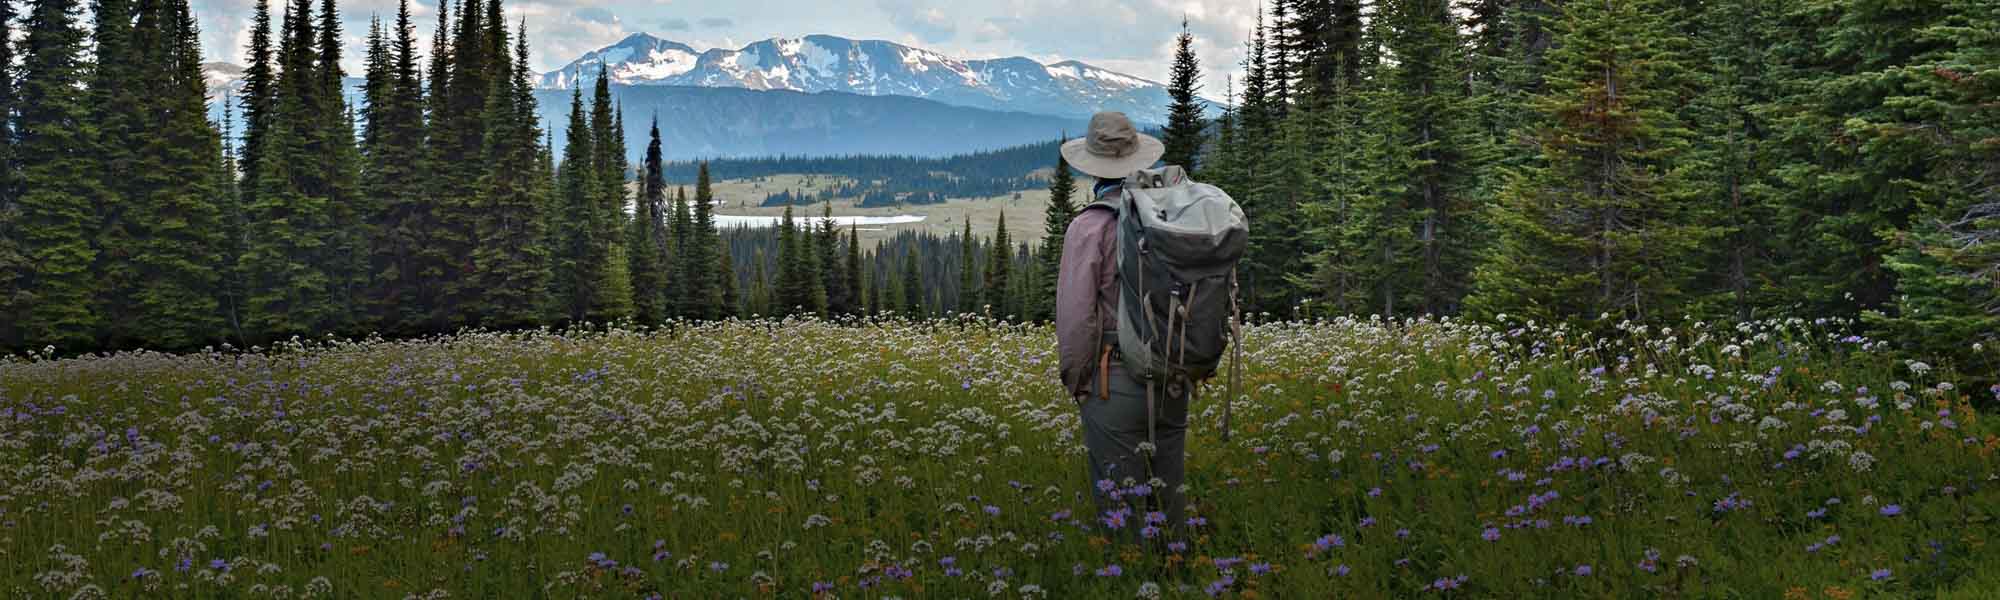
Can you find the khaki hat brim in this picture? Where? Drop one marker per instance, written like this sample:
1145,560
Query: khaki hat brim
1149,151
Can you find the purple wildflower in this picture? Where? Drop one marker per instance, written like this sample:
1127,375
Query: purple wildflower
1892,510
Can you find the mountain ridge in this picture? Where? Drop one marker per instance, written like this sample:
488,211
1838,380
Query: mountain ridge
827,63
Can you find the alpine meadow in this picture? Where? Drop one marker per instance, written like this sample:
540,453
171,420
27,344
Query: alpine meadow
490,299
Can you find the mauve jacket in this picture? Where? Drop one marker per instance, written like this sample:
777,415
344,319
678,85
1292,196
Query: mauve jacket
1086,296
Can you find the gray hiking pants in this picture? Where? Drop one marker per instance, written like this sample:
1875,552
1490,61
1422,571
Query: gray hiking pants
1114,428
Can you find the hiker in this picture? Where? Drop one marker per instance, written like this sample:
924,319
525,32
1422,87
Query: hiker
1134,399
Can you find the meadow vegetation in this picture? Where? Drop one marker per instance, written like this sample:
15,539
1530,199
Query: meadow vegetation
884,458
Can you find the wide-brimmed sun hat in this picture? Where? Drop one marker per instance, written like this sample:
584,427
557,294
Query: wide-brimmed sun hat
1113,148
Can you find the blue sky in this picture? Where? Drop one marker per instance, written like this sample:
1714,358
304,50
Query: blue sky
1131,36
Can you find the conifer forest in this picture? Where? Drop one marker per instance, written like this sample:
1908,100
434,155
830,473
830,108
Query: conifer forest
1545,299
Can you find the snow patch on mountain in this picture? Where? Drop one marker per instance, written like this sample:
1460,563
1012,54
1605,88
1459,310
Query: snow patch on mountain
822,63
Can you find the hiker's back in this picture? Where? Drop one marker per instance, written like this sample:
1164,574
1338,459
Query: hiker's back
1178,245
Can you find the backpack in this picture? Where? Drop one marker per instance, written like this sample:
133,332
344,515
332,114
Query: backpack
1178,245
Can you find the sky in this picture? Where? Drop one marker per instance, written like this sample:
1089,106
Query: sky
1130,36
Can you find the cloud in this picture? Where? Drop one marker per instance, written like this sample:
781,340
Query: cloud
927,23
718,22
675,25
595,14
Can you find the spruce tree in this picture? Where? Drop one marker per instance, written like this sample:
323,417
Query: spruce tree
58,185
1186,129
116,124
1435,123
1607,226
794,293
581,256
1364,230
648,240
832,269
998,276
968,271
259,100
913,287
705,244
1055,223
1946,264
855,282
331,143
606,177
13,257
1731,113
510,262
174,208
405,269
680,230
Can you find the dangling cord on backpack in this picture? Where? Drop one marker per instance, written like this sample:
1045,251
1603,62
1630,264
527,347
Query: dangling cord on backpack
1236,354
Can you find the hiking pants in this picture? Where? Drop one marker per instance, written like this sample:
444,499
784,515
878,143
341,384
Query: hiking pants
1114,428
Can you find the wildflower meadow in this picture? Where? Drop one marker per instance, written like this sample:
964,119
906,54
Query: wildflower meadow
883,458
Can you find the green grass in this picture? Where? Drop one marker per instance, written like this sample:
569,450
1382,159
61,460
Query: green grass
805,452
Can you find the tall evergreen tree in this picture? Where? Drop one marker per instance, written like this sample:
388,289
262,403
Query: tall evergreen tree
648,240
115,126
174,207
1435,123
232,291
968,271
796,280
1055,223
912,301
705,243
759,302
680,231
998,276
1608,225
832,269
1730,112
855,283
1948,263
331,143
606,187
13,257
1186,129
582,257
259,100
405,269
510,262
58,185
731,305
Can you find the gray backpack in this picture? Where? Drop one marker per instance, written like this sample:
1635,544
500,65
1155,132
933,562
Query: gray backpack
1178,245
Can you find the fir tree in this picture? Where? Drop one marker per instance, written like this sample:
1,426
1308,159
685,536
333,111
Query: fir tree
232,292
1607,226
58,186
682,234
607,190
1948,263
1186,129
331,143
997,272
260,98
1731,117
1055,223
648,240
116,123
174,210
832,269
796,280
405,269
510,263
912,305
582,257
13,257
855,282
968,271
705,244
1432,115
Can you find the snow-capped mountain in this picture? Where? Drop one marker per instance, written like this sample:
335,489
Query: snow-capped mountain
822,63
